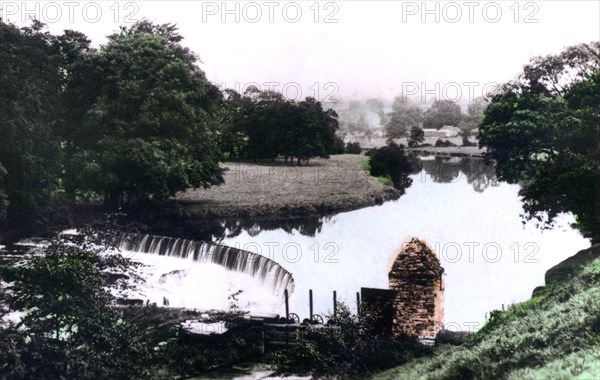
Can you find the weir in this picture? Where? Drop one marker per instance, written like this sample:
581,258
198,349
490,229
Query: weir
233,259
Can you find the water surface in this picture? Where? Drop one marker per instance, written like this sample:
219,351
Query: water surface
472,221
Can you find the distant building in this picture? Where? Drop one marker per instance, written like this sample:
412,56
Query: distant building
446,131
451,131
431,132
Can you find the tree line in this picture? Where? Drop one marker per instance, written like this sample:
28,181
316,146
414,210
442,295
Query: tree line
134,119
407,116
360,120
543,131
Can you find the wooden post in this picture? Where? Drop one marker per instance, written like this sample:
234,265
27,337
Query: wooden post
334,305
357,303
287,304
310,303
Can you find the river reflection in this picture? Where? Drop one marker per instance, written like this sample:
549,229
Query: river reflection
451,169
438,169
456,204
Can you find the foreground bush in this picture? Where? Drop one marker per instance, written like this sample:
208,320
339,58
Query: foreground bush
347,349
70,327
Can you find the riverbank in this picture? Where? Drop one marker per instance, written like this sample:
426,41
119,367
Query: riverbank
454,151
555,334
281,191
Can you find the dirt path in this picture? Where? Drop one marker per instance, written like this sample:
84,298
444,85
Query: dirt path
326,185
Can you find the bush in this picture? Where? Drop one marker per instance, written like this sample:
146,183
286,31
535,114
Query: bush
72,329
466,142
444,143
338,145
417,136
353,148
391,161
347,349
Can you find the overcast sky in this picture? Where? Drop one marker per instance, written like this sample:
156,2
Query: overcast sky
366,49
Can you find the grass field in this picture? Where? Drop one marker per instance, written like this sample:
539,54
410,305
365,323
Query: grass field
276,189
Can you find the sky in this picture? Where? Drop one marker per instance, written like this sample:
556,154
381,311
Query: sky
336,50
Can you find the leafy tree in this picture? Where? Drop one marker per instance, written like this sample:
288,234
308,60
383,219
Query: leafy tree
353,148
403,118
277,126
30,157
542,130
339,145
443,143
233,138
474,115
442,112
391,161
417,136
146,123
68,328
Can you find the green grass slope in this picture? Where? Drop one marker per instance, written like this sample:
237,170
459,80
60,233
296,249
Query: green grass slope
554,335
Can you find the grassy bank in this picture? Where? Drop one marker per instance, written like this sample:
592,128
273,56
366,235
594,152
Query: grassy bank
279,190
554,335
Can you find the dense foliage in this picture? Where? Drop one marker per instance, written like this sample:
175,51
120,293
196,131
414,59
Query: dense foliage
135,119
353,148
348,348
542,130
29,105
403,118
442,112
141,123
266,125
417,136
391,161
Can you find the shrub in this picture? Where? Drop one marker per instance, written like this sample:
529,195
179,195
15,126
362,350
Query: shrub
391,161
347,349
353,148
466,142
444,143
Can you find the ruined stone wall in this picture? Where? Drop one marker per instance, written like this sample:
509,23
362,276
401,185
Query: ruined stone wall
416,278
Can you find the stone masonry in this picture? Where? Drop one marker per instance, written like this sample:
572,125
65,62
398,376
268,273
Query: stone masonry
416,278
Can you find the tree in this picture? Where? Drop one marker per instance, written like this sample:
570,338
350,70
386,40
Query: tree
146,124
474,115
403,118
442,112
277,126
69,328
30,156
417,136
542,130
353,148
391,161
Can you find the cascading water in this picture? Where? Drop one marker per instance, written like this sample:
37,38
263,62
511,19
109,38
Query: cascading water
216,269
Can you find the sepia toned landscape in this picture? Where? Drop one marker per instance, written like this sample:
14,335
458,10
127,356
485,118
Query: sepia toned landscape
300,190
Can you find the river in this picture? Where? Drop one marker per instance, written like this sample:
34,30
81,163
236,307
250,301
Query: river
471,220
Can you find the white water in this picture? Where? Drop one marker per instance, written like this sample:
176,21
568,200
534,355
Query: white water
204,286
199,275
